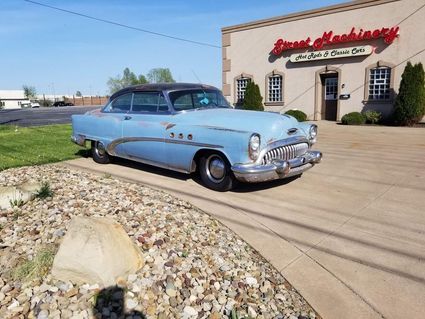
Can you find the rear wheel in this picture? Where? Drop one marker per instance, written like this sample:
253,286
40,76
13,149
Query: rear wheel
99,153
215,172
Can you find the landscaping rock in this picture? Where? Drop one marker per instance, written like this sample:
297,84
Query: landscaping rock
195,267
96,250
14,194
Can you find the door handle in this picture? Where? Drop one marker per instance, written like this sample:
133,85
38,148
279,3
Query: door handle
127,117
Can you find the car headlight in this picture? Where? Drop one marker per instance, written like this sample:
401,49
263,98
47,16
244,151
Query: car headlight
254,146
313,133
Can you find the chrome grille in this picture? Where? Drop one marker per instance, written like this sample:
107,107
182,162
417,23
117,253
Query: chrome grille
286,152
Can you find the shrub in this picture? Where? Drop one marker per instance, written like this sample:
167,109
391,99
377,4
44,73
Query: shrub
253,99
372,117
44,191
353,118
409,107
299,115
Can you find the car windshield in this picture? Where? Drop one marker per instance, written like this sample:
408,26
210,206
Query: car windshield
197,99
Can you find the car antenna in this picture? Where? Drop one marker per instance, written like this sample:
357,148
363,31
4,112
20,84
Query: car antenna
196,76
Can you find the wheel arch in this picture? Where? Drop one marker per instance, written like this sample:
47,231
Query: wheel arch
205,151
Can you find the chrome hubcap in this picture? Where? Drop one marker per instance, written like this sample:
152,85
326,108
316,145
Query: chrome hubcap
100,149
216,168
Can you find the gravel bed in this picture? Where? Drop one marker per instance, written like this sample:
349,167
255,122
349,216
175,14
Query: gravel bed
194,266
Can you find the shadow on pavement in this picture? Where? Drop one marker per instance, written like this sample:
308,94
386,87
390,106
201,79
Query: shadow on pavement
110,304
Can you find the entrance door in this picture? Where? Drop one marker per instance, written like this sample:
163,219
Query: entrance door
330,97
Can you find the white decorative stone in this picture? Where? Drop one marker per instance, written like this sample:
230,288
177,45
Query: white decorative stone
130,304
96,250
190,312
251,281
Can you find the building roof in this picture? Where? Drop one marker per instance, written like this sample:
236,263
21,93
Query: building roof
352,5
12,94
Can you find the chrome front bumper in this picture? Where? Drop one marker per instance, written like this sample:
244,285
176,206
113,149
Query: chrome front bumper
278,169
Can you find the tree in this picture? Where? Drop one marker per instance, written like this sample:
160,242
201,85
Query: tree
253,99
29,92
128,78
409,106
78,94
160,75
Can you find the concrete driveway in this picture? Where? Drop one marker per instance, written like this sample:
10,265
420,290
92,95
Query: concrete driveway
349,234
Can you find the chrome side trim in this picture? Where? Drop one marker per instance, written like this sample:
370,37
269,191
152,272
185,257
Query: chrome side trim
111,147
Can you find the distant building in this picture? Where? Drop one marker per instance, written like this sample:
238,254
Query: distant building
326,62
13,99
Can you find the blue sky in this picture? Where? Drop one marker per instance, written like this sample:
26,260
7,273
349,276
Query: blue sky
60,53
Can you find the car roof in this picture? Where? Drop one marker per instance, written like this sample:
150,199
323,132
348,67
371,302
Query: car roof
161,87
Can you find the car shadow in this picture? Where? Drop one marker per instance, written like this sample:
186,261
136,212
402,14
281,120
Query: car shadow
239,188
110,304
255,187
150,169
86,153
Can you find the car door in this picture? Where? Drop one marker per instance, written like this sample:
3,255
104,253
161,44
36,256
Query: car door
144,128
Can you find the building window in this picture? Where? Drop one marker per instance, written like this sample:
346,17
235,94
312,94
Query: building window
275,88
379,83
241,84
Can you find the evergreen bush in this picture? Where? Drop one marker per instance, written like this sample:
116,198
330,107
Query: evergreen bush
409,107
299,115
253,99
353,118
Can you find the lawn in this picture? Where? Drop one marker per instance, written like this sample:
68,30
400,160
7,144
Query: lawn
22,146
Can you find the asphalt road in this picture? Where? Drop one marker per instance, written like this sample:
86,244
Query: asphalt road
42,116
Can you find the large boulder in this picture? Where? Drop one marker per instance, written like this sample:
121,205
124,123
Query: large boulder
96,250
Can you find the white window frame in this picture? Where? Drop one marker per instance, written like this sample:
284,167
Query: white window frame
241,84
379,87
275,88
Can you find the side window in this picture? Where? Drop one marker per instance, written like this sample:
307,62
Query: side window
145,102
183,102
121,104
149,102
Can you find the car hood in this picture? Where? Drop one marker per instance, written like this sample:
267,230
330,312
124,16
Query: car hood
271,126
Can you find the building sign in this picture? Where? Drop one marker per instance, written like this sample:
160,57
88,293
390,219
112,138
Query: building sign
388,34
331,54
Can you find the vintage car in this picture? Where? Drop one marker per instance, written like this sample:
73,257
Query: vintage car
192,128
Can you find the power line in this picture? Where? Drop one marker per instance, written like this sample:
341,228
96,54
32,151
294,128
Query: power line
123,25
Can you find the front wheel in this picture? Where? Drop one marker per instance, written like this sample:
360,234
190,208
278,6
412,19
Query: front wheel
99,153
215,172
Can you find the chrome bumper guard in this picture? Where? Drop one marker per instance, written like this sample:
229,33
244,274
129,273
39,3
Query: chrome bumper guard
78,139
278,169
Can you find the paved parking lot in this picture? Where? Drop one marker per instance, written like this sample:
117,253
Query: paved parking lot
42,115
349,234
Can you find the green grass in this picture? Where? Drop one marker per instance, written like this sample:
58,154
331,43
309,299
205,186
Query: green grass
23,146
36,268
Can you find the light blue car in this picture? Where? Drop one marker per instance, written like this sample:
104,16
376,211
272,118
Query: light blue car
192,128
